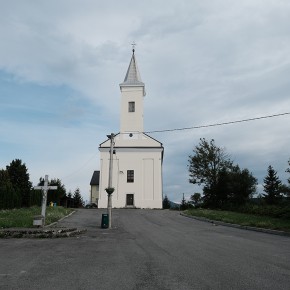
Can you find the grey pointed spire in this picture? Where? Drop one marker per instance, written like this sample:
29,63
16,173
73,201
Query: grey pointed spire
133,78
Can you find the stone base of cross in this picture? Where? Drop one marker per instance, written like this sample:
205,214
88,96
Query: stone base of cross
44,188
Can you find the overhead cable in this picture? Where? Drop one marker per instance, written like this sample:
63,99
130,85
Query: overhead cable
218,124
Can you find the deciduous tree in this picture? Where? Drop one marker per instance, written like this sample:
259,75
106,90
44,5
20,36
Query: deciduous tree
225,184
205,165
196,198
242,186
284,190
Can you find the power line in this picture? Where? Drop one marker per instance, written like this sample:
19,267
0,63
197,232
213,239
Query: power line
218,124
79,169
188,128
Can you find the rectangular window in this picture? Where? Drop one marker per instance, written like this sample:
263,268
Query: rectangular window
131,106
130,175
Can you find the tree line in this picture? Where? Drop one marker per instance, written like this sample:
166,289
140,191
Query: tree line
227,186
16,189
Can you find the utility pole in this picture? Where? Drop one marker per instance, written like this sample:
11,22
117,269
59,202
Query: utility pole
111,137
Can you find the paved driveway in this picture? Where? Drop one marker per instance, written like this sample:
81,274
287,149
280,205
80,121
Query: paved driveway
147,249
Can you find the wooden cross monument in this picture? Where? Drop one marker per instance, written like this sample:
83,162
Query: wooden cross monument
44,188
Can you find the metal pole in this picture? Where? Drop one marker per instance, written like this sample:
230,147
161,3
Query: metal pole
110,180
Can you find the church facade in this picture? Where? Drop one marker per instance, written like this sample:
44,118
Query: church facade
137,158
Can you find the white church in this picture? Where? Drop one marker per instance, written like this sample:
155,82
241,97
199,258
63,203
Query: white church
137,158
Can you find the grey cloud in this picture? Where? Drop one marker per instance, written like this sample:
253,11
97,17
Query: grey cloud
202,62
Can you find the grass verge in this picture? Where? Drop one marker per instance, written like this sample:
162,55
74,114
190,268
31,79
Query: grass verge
242,219
23,217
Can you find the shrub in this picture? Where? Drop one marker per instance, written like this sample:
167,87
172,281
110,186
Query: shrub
267,210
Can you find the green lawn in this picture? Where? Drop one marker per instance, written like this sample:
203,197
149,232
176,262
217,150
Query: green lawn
23,217
242,219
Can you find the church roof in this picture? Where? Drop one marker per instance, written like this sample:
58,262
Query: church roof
95,178
133,78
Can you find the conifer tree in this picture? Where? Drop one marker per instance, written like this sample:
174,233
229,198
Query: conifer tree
272,185
54,196
78,200
9,197
288,170
166,202
183,205
19,177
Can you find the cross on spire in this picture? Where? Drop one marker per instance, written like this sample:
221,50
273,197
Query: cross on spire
133,46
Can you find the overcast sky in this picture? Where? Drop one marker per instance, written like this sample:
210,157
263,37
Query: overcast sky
202,62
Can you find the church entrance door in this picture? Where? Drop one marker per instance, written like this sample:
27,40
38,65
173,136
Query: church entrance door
130,200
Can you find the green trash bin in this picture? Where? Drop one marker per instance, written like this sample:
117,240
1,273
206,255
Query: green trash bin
105,221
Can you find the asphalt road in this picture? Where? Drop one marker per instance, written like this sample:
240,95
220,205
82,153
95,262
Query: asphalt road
147,249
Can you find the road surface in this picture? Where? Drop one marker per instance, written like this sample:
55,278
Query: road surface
147,249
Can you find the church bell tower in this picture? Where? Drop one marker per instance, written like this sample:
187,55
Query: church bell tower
132,94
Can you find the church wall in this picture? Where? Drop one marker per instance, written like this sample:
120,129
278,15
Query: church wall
148,179
147,185
94,194
104,179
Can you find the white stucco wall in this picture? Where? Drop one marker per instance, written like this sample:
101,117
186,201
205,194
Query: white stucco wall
132,121
94,193
147,186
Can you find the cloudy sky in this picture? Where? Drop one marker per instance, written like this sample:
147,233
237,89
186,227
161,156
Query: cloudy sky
202,61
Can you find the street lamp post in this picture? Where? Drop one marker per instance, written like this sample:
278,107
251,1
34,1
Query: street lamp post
110,187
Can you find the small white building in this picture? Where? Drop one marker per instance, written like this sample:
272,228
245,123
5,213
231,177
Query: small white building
94,197
137,158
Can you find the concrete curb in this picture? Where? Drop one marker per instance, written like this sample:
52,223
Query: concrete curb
262,230
40,233
47,231
54,223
